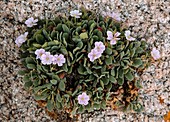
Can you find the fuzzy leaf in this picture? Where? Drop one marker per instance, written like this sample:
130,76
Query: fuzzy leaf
108,61
58,97
28,84
113,72
65,28
137,84
112,79
81,109
29,60
108,51
84,35
31,66
41,97
61,85
137,62
40,38
50,105
96,106
54,82
120,81
129,76
22,72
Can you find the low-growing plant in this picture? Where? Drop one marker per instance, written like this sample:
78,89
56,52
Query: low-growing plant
83,62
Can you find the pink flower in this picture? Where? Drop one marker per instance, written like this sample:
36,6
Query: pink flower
46,58
59,59
114,15
39,53
99,46
155,54
113,39
21,39
31,22
128,37
75,13
93,55
83,99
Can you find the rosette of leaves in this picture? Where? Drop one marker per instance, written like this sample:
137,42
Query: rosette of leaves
113,78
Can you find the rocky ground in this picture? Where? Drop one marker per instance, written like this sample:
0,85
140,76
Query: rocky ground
147,19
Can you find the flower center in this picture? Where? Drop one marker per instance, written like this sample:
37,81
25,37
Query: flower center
47,58
82,98
94,55
58,59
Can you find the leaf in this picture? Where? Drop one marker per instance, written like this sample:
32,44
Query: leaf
81,70
22,72
26,78
137,84
37,45
105,81
41,97
64,67
65,28
132,52
137,107
108,61
137,62
129,76
31,66
108,51
102,84
29,60
113,72
120,81
48,86
97,67
61,85
40,39
46,35
167,117
84,35
58,97
139,50
103,104
112,79
81,109
109,86
96,106
64,51
54,82
50,105
28,84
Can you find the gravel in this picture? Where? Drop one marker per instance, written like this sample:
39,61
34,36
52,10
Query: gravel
147,19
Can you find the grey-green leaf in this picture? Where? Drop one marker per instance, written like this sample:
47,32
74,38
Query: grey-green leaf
61,85
54,82
129,76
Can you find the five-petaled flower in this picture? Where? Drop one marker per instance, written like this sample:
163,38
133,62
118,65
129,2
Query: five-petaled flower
21,39
39,53
75,13
31,22
114,15
46,58
59,59
99,46
93,55
83,99
128,37
113,39
155,54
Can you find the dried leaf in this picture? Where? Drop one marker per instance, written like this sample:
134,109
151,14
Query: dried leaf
167,117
